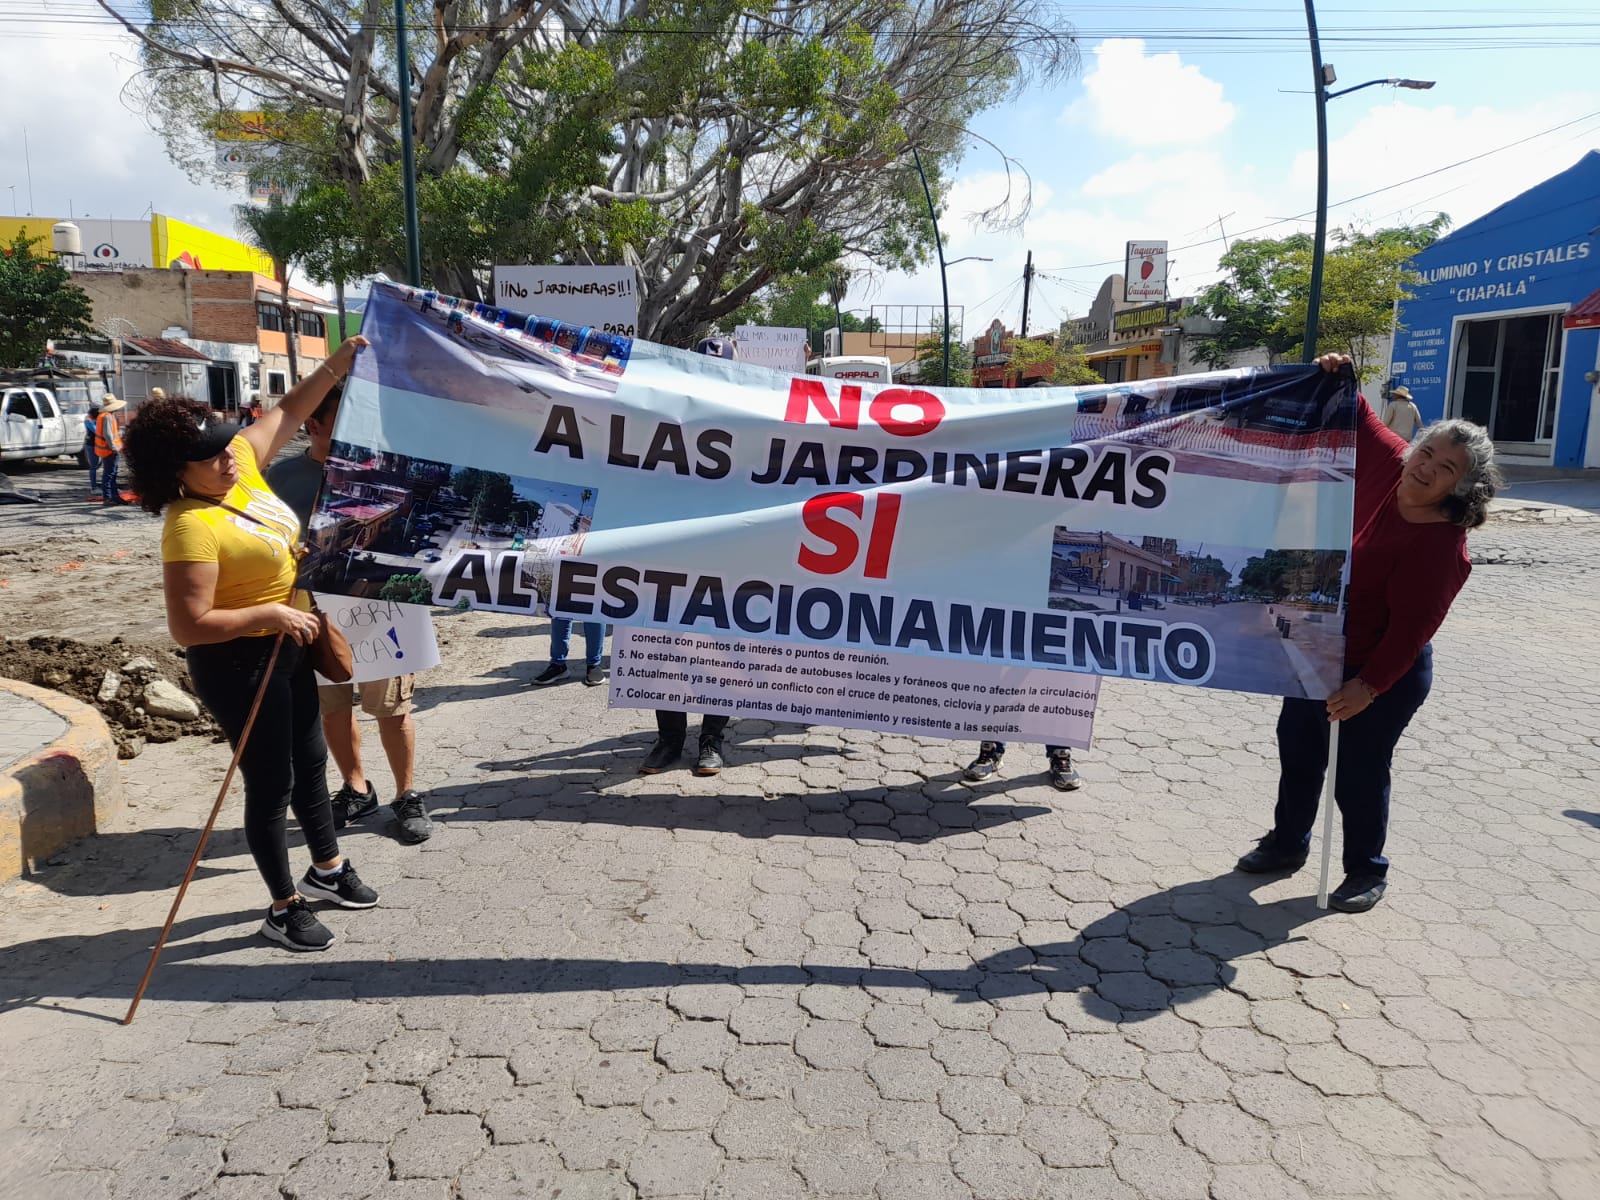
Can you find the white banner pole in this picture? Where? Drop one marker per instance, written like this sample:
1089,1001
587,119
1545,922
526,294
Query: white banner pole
1328,803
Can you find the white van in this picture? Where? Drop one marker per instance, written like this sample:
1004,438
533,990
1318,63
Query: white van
858,367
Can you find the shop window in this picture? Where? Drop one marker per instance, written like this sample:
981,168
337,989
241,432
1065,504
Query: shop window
269,317
1508,376
311,325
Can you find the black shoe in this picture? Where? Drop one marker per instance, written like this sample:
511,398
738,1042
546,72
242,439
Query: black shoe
415,826
709,760
1268,859
296,928
1357,893
551,673
345,889
350,805
665,753
1062,777
594,676
986,764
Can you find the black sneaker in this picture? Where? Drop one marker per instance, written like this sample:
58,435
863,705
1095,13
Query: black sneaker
1062,776
345,889
987,762
296,927
1357,893
709,760
1268,859
594,676
551,673
665,753
413,817
351,805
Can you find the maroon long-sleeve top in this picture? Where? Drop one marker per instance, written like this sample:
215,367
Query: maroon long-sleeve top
1403,576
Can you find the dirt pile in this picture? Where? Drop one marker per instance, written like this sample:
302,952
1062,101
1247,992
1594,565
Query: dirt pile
114,677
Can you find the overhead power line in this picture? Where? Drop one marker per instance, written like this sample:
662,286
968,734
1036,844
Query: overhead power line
1310,213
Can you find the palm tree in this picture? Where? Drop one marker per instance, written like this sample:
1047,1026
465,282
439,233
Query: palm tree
838,286
279,232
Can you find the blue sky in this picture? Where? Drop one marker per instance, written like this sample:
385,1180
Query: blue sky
1183,113
1187,113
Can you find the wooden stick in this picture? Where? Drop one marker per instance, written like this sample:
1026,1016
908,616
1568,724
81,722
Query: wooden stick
1328,802
200,847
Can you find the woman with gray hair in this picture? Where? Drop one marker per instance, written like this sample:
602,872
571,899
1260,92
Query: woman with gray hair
1408,559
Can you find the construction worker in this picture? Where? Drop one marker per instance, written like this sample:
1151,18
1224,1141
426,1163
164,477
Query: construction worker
108,446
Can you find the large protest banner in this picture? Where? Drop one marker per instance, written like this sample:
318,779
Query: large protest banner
1192,530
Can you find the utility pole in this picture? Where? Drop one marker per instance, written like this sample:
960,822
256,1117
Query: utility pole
1027,290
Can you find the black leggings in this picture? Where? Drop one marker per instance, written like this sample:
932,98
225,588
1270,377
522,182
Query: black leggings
285,762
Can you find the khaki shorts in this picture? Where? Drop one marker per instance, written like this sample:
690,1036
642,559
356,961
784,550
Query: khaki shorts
379,697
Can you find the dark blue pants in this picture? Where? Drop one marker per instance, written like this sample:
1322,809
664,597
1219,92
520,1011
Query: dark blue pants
594,640
109,491
1361,787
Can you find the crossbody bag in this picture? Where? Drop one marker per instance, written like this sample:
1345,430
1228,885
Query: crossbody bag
329,650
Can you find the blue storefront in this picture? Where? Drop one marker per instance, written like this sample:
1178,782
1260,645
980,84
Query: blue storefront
1491,333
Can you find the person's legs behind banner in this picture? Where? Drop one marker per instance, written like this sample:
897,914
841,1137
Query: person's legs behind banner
390,703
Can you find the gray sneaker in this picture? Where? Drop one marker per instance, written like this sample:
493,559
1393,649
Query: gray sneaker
413,817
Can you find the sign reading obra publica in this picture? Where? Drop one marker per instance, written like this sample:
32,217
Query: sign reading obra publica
1189,530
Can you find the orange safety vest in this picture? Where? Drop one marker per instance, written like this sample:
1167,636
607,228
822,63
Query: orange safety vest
107,435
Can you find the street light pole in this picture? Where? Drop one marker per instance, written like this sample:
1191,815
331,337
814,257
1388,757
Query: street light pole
1314,298
1321,77
938,245
408,153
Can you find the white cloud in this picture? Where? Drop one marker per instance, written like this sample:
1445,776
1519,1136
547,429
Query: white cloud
88,151
1400,140
1149,99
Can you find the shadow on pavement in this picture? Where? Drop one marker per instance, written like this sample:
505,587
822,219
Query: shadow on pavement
148,860
1156,954
939,808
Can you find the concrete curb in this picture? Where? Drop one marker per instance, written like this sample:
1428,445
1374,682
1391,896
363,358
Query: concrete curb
63,791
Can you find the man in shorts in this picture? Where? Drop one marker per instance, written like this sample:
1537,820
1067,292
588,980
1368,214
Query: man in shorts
389,702
297,480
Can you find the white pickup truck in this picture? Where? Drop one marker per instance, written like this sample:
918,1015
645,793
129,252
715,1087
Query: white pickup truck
32,425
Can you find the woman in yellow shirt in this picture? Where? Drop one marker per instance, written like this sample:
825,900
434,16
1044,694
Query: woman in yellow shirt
228,555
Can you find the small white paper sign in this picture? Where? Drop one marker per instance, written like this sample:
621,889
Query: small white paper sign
386,639
604,298
774,346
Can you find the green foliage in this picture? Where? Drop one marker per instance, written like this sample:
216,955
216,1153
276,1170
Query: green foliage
1297,574
1263,301
406,589
489,493
1064,364
795,302
38,302
930,361
721,147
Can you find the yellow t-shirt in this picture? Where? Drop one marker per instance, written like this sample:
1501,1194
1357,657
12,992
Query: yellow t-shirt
255,561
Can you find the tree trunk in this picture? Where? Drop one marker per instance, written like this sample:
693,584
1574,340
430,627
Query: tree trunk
338,296
288,326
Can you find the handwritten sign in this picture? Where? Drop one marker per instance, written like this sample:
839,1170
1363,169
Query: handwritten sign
606,298
772,346
386,639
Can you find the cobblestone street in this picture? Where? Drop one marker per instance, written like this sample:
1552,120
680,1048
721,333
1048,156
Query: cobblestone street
837,970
